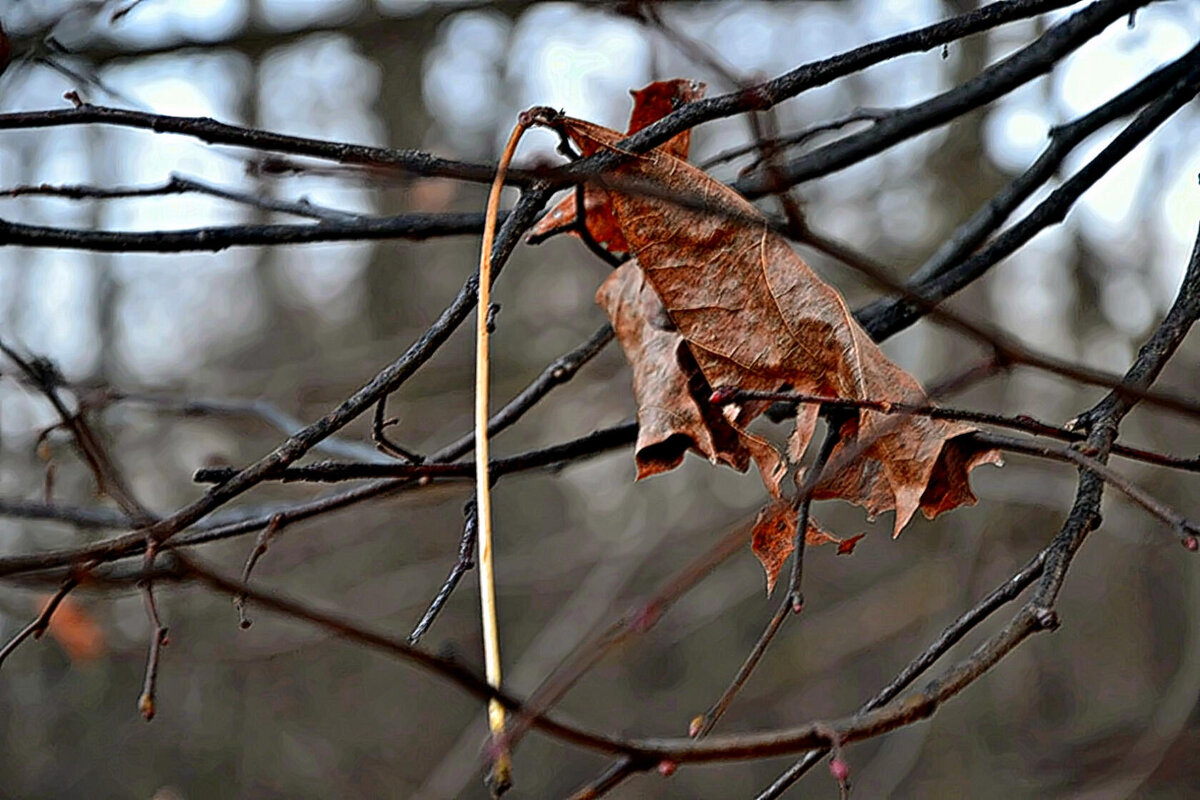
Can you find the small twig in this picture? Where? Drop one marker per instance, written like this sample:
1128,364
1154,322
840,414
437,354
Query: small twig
1188,529
609,779
500,776
261,409
265,536
1020,422
803,504
798,138
48,483
45,376
466,560
703,724
89,518
41,621
158,639
386,445
578,224
181,184
837,766
793,600
558,372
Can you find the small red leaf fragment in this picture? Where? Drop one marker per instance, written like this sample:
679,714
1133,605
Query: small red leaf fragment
1191,543
667,768
846,546
723,395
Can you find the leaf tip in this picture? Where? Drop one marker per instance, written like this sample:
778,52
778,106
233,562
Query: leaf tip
846,546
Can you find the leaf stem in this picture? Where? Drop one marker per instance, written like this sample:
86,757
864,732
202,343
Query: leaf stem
500,778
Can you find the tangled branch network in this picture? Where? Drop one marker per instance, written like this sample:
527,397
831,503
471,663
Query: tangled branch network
150,551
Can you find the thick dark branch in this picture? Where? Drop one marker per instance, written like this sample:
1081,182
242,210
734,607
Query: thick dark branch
405,226
1102,422
212,131
594,443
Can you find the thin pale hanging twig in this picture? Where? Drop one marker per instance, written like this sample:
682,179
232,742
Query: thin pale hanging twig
500,777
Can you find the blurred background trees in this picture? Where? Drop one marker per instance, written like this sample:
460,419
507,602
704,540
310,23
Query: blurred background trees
1103,708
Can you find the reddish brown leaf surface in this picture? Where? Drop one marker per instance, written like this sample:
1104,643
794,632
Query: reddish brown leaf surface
673,414
650,104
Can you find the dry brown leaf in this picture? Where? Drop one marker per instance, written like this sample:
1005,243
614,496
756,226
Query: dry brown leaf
650,104
756,317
